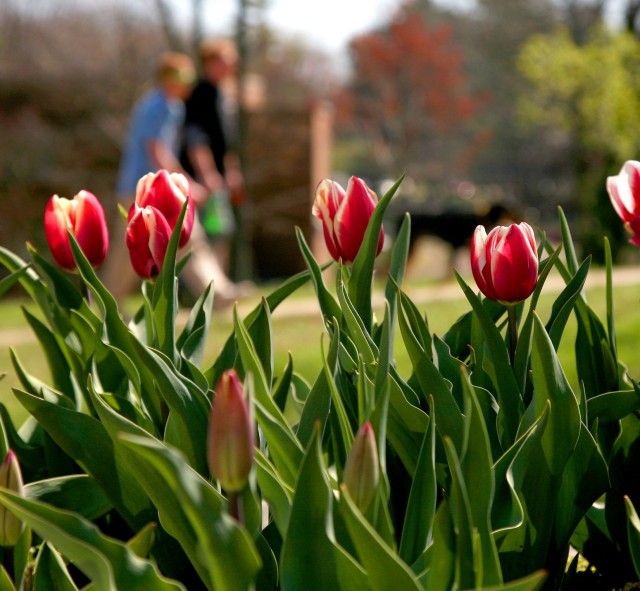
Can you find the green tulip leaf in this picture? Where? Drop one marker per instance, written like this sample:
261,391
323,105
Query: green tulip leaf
216,540
61,287
565,303
449,418
421,506
550,384
283,445
50,571
633,534
6,584
283,385
611,324
165,293
55,355
533,582
27,277
498,367
385,569
307,547
397,266
142,542
477,472
77,492
353,324
227,356
613,406
106,561
275,491
85,440
361,279
193,338
567,243
261,335
328,305
525,338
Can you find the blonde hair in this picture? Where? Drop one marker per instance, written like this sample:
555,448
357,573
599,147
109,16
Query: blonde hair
218,49
175,67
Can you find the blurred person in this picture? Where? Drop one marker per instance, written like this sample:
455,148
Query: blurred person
152,143
208,142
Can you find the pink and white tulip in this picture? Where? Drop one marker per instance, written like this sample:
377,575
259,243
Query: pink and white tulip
147,238
345,216
624,192
167,192
505,262
84,217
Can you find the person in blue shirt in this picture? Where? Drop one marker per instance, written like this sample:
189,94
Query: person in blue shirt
153,143
153,139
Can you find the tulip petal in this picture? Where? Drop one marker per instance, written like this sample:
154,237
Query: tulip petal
56,224
514,265
90,227
167,192
231,436
352,218
329,196
84,217
147,237
479,261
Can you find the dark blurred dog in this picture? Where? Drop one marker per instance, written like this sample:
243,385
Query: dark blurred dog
452,226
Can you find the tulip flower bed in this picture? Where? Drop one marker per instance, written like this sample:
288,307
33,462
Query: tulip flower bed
141,468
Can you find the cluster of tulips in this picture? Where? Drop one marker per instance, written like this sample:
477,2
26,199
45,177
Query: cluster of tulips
146,469
159,200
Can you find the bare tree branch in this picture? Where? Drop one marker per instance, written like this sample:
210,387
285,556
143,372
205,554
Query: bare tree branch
170,30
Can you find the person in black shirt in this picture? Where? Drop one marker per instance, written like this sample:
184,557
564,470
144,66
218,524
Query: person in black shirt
208,147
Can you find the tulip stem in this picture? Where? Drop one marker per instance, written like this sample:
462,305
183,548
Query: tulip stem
513,333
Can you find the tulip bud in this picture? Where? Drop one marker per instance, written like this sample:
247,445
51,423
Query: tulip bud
147,237
11,479
84,217
231,437
167,192
505,262
361,472
345,216
624,192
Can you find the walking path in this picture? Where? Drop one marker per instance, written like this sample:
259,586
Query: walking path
449,290
308,306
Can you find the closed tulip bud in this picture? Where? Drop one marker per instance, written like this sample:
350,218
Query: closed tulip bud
505,262
231,438
147,237
167,192
84,217
11,479
624,192
345,216
362,472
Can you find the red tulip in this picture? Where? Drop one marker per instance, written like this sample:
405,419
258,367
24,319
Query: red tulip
624,192
505,263
231,439
84,217
147,237
345,216
167,192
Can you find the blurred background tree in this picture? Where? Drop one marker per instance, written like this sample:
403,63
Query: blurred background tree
533,102
590,91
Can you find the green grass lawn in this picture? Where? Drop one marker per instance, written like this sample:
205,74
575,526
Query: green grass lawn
301,335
